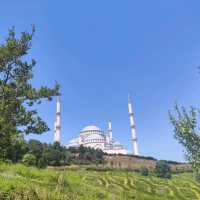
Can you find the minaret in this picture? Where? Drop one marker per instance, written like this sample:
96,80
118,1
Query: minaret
57,129
132,125
110,131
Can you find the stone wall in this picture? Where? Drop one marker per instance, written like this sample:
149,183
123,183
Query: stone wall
134,162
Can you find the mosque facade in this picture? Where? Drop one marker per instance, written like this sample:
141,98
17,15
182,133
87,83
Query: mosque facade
94,137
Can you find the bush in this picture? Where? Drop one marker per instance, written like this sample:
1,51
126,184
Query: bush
42,163
8,161
144,171
162,169
196,175
137,170
29,159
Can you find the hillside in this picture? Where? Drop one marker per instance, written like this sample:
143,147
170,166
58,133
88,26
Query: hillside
136,162
26,183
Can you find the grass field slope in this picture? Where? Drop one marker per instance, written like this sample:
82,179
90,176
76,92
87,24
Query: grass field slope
18,182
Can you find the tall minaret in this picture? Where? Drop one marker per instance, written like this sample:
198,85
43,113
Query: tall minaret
110,130
132,125
57,129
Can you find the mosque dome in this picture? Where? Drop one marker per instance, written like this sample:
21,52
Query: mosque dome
95,137
88,130
91,128
117,144
75,140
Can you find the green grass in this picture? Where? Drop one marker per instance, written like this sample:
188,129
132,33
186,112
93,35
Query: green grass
18,182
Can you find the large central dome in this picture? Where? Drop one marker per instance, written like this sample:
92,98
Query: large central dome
91,128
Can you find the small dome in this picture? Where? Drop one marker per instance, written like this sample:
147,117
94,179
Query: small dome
91,128
95,137
117,144
75,140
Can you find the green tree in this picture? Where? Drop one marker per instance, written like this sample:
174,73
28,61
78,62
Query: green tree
42,162
36,148
17,148
17,94
29,159
144,171
89,155
186,131
162,169
53,154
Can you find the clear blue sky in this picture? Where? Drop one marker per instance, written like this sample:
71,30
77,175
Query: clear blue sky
100,50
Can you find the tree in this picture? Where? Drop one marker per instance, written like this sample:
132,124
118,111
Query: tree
54,154
90,155
17,148
17,94
162,169
29,159
186,131
144,171
36,148
42,162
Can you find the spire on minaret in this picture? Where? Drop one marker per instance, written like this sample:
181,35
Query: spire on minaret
57,130
129,98
110,130
132,125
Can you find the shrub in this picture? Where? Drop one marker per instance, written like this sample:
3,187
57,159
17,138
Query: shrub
29,159
144,171
137,170
8,161
42,163
196,175
162,169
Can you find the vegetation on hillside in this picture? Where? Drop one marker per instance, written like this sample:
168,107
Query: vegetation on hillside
162,169
57,155
20,182
36,153
18,97
187,133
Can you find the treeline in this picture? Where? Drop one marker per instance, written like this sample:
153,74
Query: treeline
41,155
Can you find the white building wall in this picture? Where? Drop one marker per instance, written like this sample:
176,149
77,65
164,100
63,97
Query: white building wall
116,151
95,145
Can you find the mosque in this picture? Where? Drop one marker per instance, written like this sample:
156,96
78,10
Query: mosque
92,136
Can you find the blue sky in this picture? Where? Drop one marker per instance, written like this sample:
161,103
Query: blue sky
101,50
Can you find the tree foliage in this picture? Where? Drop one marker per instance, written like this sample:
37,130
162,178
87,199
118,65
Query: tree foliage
29,159
17,94
186,131
56,154
162,169
87,155
144,171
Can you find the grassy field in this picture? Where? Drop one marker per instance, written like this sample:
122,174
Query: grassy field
18,182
